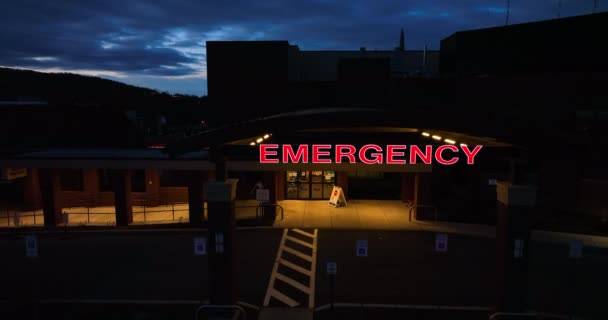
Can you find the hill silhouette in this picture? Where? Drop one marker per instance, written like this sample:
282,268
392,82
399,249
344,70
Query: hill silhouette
68,89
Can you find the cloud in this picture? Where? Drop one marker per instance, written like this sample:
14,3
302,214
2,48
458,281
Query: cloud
166,39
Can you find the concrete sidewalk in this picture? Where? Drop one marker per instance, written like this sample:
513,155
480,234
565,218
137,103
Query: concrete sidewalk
358,214
394,215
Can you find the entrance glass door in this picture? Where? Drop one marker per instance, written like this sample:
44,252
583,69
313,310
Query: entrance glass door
309,185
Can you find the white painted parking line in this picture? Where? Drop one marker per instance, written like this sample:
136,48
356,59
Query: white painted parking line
283,298
293,283
304,233
280,259
298,253
121,301
248,305
401,306
298,241
294,267
274,270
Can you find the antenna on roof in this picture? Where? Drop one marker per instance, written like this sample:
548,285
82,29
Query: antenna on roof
594,6
424,59
507,12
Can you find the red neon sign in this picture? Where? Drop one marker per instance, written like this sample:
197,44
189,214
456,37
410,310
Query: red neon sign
368,154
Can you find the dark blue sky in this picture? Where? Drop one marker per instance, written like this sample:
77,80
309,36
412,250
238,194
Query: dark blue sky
161,43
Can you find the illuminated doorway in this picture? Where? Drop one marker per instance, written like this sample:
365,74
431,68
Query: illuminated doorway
309,185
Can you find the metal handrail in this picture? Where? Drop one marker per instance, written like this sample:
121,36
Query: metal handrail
240,309
258,207
422,206
20,215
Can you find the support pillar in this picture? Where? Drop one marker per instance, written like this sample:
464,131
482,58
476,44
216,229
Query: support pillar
152,187
279,181
515,204
220,238
31,189
121,185
51,204
407,187
195,197
423,188
342,182
423,195
270,210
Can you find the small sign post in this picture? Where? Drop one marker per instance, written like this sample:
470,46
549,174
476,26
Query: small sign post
16,219
441,242
518,248
362,246
31,246
332,269
200,246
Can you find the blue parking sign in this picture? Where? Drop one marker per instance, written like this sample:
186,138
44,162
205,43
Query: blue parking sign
200,246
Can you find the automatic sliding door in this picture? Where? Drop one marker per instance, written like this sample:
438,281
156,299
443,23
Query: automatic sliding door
291,185
316,178
304,185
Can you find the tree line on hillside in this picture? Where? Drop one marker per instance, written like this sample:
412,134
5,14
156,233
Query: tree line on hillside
67,89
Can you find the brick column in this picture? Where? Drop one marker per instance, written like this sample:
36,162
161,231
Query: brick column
121,185
195,197
152,187
270,211
31,189
515,204
423,195
51,202
342,181
407,186
423,188
221,254
279,182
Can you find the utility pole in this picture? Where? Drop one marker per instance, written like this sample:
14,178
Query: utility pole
508,11
559,9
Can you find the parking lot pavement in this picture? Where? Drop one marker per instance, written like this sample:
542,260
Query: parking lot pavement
401,267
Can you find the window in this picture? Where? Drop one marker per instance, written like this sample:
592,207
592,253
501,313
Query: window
138,181
71,180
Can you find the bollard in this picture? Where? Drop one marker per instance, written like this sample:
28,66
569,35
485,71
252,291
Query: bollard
65,221
16,219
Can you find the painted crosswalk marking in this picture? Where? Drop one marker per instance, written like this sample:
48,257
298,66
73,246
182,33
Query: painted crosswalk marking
281,297
302,232
308,271
295,267
298,253
298,241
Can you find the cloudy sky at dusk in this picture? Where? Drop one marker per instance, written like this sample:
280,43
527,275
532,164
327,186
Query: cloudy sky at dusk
161,44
